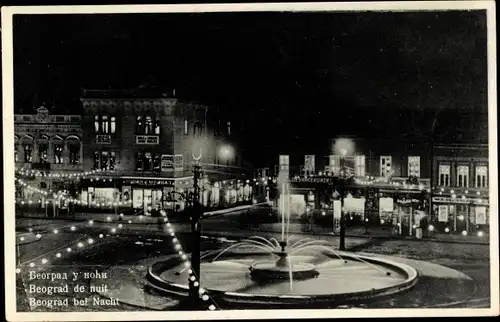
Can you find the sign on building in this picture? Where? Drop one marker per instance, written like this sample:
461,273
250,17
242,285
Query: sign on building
443,213
178,162
103,139
147,139
167,162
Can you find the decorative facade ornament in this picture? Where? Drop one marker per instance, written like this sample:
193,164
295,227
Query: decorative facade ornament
42,115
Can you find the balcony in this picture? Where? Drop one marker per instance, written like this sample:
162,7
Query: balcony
147,139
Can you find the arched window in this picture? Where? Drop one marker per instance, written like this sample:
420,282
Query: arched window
27,146
43,148
197,129
58,146
148,128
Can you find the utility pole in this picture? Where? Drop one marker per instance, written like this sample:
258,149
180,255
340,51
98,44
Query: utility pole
196,214
342,219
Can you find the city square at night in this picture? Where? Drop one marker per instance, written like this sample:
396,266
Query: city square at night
283,159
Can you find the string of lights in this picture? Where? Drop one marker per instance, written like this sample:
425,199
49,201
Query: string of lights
39,173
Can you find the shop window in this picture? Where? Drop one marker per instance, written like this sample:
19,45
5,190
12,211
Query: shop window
414,166
198,129
360,165
139,160
444,175
481,177
385,165
58,153
463,176
284,162
28,153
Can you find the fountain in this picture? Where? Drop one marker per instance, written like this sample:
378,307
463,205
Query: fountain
260,271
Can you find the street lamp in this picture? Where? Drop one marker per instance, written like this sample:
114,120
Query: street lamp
343,153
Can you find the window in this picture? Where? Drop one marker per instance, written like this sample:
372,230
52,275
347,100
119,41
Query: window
186,127
28,151
139,125
148,161
414,166
360,165
139,160
481,177
156,162
157,125
113,124
58,153
284,163
16,155
463,176
104,160
385,165
148,125
104,124
96,159
444,175
43,152
198,129
228,124
74,153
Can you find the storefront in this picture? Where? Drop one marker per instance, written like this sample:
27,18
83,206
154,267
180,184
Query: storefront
460,214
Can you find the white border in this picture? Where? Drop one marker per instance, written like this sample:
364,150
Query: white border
8,137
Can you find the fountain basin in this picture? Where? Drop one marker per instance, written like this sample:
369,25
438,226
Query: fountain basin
246,280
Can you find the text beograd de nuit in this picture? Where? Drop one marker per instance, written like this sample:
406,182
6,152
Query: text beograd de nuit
47,290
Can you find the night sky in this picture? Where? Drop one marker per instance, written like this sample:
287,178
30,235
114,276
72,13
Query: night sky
308,74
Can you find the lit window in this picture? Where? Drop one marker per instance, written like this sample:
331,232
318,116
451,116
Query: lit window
139,160
444,175
334,163
43,152
16,155
463,176
186,127
481,177
148,128
156,162
360,165
96,124
104,160
157,125
228,124
284,162
112,160
28,151
385,165
113,124
139,125
96,160
148,161
58,153
105,124
414,166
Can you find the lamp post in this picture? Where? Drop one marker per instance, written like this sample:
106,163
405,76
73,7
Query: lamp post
195,216
343,152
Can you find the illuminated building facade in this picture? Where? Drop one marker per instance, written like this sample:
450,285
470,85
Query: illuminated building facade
143,144
48,151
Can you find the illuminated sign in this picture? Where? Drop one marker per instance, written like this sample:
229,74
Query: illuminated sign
103,139
149,182
147,139
459,200
312,180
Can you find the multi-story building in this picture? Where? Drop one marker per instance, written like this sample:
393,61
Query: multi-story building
144,144
48,151
460,179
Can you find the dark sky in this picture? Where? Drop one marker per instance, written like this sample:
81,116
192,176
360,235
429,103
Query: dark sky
301,72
